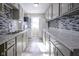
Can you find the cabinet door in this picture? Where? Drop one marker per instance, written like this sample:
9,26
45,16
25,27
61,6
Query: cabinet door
2,52
50,12
25,40
1,7
55,10
47,15
64,7
75,5
59,53
55,51
52,49
11,51
19,45
64,50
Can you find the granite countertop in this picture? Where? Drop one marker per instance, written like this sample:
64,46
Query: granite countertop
5,38
67,37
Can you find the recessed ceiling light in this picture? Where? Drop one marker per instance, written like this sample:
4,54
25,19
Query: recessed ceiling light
36,4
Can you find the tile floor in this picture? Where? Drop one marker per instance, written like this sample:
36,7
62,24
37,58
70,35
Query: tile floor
36,48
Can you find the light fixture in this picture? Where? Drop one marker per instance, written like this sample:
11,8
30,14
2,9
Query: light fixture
36,4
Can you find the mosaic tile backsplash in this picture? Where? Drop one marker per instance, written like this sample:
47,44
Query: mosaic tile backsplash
69,23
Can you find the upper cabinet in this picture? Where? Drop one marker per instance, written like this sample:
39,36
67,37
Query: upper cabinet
11,11
64,7
50,12
75,5
47,15
55,10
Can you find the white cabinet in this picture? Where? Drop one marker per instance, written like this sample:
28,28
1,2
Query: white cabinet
11,51
10,47
25,41
64,7
55,10
19,45
47,15
50,12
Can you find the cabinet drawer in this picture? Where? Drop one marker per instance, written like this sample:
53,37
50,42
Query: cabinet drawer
10,43
65,51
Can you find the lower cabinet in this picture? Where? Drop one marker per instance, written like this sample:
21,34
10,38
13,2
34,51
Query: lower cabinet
25,41
59,49
64,50
59,53
15,46
11,51
10,47
2,52
19,45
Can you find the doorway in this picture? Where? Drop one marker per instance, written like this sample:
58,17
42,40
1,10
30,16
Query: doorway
35,27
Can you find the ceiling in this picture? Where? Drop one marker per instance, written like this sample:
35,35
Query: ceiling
29,8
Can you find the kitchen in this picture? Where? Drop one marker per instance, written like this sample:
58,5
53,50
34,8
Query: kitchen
57,28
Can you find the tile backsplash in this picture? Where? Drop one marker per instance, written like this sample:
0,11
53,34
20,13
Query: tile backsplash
7,25
68,23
